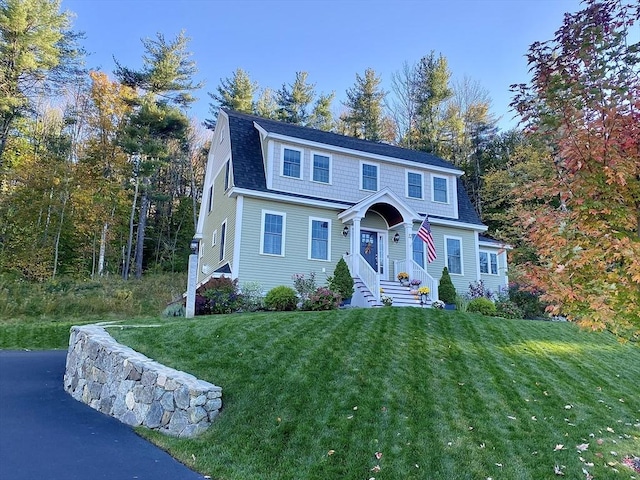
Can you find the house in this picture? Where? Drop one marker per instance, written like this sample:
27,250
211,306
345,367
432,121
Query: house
281,199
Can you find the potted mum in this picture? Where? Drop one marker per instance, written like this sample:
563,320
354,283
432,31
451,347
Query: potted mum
424,294
387,301
403,278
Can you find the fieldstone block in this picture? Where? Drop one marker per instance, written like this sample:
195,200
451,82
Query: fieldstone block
154,416
181,397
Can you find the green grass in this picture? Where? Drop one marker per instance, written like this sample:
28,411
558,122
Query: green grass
442,395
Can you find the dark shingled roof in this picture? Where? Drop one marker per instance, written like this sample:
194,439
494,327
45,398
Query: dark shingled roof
248,165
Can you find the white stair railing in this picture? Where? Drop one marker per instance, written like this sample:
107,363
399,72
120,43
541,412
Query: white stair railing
369,277
419,273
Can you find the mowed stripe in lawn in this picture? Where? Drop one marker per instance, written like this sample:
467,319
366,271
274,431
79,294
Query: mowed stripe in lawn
439,394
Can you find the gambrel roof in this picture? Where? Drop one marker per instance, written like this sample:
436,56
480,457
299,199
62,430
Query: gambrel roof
248,164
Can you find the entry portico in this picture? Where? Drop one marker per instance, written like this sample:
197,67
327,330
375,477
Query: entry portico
368,255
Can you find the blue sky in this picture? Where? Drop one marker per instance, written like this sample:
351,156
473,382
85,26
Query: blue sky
486,40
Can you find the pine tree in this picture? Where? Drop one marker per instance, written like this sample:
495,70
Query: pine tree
235,93
364,117
294,100
37,51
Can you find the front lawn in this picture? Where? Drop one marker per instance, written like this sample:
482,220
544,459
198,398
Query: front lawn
403,393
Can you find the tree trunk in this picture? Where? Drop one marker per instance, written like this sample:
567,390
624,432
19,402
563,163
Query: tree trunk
127,259
142,224
58,234
103,247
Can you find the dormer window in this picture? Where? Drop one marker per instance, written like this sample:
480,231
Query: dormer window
369,179
440,190
291,163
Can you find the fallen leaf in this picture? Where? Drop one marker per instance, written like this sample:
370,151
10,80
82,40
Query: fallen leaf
349,417
600,441
499,465
559,446
568,407
511,417
331,452
582,447
534,418
193,457
610,430
558,470
378,455
376,469
355,408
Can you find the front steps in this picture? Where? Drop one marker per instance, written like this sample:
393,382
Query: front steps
401,296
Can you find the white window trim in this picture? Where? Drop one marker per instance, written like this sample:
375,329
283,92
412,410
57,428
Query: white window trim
221,136
489,253
313,153
406,184
446,255
284,229
318,219
223,240
361,175
285,147
214,238
433,189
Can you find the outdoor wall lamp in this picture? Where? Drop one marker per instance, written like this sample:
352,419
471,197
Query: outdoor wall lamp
195,245
345,231
396,238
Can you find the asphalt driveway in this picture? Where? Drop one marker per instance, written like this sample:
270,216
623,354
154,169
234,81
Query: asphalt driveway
46,434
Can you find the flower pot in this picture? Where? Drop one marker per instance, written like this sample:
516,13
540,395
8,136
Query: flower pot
346,301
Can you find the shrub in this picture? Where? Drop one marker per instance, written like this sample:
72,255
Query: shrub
342,281
281,298
322,299
174,310
478,290
483,306
446,290
304,286
462,303
508,309
221,295
252,297
529,302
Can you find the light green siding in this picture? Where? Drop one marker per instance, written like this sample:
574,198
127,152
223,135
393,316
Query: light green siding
224,207
469,261
271,270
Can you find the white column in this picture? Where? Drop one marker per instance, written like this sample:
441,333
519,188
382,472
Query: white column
355,246
408,230
192,279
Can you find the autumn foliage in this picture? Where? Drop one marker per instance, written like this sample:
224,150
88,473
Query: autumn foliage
584,104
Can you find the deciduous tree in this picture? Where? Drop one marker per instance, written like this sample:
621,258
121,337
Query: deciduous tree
584,102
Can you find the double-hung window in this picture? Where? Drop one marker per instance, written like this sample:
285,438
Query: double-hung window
273,225
440,193
292,163
418,251
369,177
321,168
319,235
454,255
488,263
414,185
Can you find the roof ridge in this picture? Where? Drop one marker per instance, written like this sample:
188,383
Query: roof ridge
385,149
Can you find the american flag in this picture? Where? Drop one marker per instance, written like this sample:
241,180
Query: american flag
424,232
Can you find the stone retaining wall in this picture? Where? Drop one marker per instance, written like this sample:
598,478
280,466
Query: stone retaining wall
123,383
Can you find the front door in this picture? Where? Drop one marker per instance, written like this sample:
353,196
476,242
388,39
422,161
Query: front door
369,247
